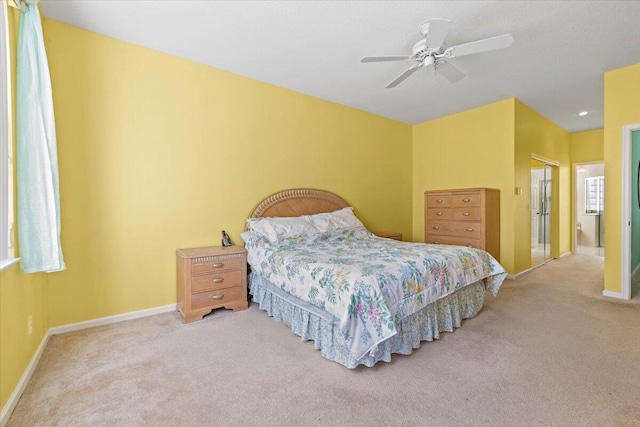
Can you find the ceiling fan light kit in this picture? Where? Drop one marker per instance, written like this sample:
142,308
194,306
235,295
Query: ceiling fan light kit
431,51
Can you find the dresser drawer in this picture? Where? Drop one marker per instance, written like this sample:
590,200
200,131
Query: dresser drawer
215,265
223,279
450,240
436,200
456,229
216,297
466,199
439,213
466,214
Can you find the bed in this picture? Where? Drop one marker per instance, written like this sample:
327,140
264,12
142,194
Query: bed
360,298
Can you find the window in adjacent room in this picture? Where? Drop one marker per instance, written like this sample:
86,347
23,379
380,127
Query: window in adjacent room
6,161
594,195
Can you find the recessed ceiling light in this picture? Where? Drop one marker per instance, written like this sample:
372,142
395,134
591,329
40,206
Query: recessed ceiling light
583,113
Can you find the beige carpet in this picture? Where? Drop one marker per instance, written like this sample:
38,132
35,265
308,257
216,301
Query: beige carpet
548,351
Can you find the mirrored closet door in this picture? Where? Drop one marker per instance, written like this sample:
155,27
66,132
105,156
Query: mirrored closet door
541,208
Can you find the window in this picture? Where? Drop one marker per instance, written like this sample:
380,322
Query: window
594,195
6,161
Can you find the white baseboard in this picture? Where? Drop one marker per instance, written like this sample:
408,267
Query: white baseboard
522,273
26,376
613,294
57,330
24,380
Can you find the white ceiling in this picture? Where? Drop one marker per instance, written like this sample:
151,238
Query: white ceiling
555,65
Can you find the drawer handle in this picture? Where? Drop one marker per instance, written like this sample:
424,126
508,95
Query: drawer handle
466,200
436,243
439,201
435,227
218,265
469,229
218,280
218,296
465,214
439,214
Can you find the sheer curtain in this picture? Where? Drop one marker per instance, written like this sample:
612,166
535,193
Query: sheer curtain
37,159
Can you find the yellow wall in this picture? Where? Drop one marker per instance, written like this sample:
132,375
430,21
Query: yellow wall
473,148
158,153
587,146
536,135
22,297
621,107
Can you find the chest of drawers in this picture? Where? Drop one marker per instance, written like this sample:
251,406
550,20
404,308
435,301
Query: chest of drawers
464,217
210,277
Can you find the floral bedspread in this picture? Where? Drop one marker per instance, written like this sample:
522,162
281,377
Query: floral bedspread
368,282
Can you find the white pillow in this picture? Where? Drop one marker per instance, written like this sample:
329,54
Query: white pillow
337,220
278,228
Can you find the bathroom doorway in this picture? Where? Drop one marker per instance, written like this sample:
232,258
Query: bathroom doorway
542,206
589,212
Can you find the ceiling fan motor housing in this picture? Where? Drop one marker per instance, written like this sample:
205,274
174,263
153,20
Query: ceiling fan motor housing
420,50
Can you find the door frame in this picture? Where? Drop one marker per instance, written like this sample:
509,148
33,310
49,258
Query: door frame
555,212
574,210
627,135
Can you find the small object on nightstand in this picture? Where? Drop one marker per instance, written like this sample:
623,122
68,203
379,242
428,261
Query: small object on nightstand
226,240
209,278
389,235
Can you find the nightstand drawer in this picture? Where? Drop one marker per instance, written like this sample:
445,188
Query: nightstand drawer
215,265
220,280
216,297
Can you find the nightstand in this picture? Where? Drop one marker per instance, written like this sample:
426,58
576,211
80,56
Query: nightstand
389,235
211,277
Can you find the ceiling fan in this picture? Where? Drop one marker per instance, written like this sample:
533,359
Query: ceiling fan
431,51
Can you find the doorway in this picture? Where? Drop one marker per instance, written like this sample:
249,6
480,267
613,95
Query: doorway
588,190
630,139
542,177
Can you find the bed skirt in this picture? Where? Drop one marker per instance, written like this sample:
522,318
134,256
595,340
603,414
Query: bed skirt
425,325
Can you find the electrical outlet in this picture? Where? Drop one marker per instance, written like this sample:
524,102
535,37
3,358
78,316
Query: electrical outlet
30,325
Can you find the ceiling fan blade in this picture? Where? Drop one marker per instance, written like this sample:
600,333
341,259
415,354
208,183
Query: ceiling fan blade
493,43
449,72
403,76
438,29
385,58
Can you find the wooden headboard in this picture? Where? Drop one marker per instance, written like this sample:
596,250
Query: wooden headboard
297,202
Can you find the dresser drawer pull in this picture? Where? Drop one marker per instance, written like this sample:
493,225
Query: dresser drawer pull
439,213
439,201
465,214
218,296
466,200
435,227
218,280
218,265
469,229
